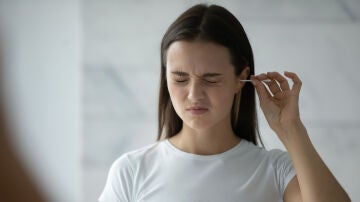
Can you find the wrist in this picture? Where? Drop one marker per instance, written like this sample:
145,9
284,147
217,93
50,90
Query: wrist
293,132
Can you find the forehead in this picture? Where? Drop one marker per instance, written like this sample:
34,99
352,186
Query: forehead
200,55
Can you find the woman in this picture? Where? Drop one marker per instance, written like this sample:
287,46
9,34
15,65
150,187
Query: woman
207,142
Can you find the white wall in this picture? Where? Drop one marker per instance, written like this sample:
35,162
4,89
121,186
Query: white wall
42,52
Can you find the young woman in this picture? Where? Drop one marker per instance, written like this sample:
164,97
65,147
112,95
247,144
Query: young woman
207,148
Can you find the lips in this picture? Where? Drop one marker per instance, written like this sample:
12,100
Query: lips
197,110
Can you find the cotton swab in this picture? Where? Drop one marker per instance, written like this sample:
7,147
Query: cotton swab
266,80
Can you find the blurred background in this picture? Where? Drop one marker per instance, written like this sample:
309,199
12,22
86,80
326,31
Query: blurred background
81,80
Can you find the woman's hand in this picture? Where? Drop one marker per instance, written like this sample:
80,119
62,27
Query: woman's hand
281,107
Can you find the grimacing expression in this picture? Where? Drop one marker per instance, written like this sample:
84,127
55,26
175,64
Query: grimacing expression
202,83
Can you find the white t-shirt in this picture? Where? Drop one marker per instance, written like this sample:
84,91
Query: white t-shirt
161,172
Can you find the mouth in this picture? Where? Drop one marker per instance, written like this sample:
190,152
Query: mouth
197,110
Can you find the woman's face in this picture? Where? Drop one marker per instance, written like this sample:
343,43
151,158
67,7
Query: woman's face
202,83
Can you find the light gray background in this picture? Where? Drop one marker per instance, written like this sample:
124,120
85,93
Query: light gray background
41,44
82,80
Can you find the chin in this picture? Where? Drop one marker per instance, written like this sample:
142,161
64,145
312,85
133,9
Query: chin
198,124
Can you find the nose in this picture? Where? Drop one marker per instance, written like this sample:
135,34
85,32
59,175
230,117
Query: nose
196,92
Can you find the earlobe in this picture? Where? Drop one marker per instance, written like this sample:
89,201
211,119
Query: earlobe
239,86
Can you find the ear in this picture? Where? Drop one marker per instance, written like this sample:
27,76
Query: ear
242,76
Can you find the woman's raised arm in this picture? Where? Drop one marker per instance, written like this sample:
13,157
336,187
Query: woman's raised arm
281,110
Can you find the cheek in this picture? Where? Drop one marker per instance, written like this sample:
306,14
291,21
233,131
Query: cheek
222,99
175,94
177,100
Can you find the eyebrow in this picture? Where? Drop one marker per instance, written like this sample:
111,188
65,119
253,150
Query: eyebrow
210,74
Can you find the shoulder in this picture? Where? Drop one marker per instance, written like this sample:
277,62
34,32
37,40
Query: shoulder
130,158
274,156
279,157
272,153
143,152
279,161
258,152
122,172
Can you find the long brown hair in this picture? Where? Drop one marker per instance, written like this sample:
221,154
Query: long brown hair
213,24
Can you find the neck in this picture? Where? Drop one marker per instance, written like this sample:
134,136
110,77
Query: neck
209,141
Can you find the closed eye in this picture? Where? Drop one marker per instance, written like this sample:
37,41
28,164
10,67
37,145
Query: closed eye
180,81
207,81
211,81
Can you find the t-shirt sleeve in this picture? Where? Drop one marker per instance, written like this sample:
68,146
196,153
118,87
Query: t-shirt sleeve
118,186
284,169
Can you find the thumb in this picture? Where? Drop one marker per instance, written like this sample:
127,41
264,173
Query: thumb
261,90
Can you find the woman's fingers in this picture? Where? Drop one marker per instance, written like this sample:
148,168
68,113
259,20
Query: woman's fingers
279,78
278,84
274,87
297,82
262,92
261,77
